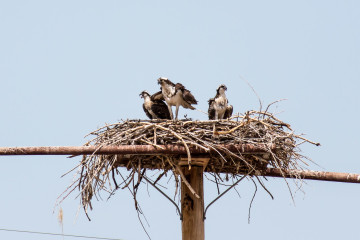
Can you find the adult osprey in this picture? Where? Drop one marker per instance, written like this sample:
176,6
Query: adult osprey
218,106
176,95
154,107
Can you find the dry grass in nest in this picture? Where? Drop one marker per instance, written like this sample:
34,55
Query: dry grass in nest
278,143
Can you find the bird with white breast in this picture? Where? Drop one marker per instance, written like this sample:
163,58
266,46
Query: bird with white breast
218,106
176,95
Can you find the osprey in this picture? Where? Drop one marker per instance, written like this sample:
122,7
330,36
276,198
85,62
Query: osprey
154,107
218,106
176,95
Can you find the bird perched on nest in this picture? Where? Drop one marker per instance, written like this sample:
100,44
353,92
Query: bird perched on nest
154,107
218,106
176,95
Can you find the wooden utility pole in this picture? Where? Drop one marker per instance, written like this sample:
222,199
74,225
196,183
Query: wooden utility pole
192,207
125,149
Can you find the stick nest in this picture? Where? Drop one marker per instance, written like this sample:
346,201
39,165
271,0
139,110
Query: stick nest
277,141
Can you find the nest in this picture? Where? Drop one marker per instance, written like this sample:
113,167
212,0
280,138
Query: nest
277,146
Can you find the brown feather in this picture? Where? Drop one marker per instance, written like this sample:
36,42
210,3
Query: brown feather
157,96
211,110
161,110
147,112
187,96
167,81
228,111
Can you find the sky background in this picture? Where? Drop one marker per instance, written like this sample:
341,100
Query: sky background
69,67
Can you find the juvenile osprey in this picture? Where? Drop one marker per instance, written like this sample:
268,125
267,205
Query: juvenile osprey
218,106
176,95
154,107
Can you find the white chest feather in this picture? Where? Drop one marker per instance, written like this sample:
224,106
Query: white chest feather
147,104
168,91
220,103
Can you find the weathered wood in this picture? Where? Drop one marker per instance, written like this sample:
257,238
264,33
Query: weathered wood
193,208
124,149
314,175
195,161
179,150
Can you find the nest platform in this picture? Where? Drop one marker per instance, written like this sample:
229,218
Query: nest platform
242,145
237,146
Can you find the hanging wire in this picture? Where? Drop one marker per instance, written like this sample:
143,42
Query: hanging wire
56,234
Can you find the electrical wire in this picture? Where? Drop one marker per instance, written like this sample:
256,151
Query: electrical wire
56,234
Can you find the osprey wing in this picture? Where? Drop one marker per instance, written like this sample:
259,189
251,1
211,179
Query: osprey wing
157,96
161,110
147,112
211,110
188,97
228,111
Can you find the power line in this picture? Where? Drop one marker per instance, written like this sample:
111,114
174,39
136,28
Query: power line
56,234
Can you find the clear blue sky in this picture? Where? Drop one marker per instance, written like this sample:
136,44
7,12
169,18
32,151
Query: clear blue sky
68,67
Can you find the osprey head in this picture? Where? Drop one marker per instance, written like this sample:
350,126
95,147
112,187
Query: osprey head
161,80
221,89
143,94
222,86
